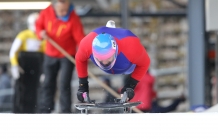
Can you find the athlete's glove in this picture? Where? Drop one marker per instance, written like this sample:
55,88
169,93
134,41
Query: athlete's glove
127,92
83,91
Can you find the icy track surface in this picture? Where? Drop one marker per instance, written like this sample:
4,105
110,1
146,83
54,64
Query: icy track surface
109,126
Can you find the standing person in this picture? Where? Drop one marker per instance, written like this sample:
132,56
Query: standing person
115,51
59,22
26,53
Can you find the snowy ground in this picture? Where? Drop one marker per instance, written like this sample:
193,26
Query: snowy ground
110,126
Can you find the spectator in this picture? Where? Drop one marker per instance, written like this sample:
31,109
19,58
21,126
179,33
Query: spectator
5,80
26,56
59,22
145,93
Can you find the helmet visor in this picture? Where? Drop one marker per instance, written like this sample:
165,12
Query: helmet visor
106,64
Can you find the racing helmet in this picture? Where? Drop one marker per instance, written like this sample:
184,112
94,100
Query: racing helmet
31,21
104,47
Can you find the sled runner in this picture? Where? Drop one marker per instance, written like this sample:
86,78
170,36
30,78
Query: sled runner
84,107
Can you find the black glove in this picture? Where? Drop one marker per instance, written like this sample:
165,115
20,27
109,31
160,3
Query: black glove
128,89
83,91
127,95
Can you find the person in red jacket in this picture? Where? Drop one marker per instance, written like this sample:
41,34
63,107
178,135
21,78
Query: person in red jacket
145,92
59,22
115,51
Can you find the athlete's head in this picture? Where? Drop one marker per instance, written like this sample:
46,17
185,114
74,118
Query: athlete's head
105,49
31,21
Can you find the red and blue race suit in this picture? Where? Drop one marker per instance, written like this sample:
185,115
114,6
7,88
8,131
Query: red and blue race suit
132,56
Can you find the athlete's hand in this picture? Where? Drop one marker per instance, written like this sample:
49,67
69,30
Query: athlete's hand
127,95
83,97
127,92
83,91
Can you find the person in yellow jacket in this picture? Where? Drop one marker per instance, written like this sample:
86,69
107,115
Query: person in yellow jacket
26,57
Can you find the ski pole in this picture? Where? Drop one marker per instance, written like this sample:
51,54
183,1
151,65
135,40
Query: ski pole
106,87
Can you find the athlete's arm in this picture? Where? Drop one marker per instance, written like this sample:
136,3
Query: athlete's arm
83,54
137,54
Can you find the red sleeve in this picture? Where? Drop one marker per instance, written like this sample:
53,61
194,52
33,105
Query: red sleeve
137,54
40,24
83,54
77,30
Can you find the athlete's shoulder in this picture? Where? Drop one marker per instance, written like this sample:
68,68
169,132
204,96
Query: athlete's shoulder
89,37
87,40
85,46
119,33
